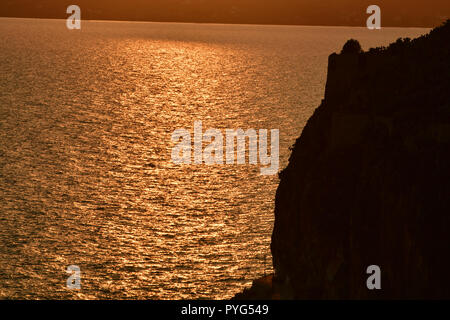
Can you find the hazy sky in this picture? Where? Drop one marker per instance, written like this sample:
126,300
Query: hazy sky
308,12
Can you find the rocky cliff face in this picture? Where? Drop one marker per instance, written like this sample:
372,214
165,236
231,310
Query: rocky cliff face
368,181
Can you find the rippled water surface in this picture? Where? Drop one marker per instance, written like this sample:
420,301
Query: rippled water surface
86,176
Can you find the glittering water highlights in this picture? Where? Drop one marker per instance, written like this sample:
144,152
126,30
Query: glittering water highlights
86,176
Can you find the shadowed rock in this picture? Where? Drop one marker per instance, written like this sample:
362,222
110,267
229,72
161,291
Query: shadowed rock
368,181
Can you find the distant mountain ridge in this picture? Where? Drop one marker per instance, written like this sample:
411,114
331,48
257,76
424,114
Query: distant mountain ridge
413,13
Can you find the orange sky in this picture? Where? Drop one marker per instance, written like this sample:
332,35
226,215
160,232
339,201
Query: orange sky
308,12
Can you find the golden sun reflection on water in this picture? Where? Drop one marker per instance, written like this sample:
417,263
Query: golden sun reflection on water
86,176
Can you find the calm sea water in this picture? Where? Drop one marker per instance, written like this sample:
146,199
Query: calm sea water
86,176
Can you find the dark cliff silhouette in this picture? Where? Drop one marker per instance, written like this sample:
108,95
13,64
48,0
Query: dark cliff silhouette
368,181
400,13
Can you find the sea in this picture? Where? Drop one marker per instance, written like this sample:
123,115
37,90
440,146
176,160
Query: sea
86,171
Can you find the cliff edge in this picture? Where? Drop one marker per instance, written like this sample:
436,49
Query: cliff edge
368,181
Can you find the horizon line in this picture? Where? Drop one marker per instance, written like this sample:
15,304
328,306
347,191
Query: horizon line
227,23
